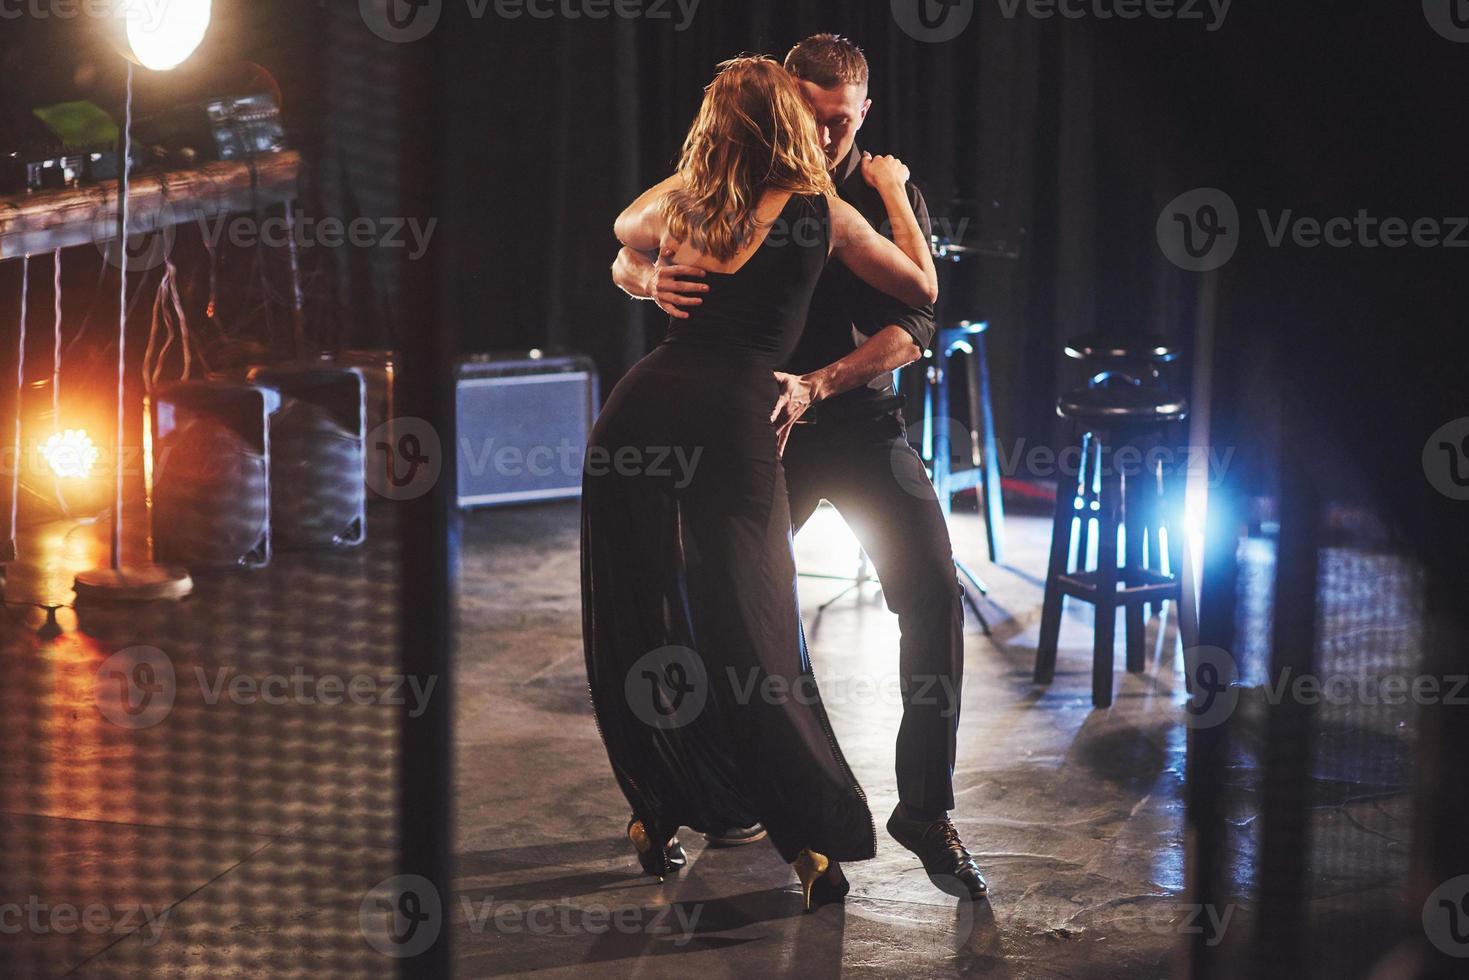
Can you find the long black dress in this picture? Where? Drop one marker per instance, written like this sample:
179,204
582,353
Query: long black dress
698,668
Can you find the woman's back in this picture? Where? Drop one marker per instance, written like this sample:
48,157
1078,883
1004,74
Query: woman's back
759,309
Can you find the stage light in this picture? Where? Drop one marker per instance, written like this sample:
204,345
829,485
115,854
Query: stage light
160,36
70,454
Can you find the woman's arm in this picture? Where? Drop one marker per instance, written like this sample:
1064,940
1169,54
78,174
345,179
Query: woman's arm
904,270
640,227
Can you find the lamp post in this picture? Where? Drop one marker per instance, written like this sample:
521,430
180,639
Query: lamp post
158,37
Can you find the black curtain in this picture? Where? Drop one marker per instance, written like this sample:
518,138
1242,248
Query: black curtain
564,121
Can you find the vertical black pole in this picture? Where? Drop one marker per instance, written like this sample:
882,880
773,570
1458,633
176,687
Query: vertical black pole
1285,807
428,528
1215,410
122,316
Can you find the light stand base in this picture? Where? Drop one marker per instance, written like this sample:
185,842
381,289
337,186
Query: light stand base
133,583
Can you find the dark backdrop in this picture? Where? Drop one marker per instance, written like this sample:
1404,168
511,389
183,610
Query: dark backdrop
1071,135
1066,137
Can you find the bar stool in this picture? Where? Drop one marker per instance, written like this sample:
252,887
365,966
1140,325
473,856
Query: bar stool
1124,360
983,473
1142,357
1113,416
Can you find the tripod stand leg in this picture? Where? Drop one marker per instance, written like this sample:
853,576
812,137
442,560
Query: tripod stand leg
979,587
840,595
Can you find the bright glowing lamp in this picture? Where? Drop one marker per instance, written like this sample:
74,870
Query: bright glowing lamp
70,454
160,35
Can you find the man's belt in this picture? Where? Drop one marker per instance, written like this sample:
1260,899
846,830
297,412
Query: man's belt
849,410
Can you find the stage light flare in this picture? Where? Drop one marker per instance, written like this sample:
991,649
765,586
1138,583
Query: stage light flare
826,544
160,34
70,454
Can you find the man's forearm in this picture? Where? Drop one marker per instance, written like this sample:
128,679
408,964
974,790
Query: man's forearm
884,352
632,273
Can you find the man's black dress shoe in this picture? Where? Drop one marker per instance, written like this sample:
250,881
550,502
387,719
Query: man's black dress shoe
737,836
948,862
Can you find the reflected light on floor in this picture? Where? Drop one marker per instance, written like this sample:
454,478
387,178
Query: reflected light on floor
826,545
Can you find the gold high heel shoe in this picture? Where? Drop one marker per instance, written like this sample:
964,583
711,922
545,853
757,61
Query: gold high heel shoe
656,860
816,883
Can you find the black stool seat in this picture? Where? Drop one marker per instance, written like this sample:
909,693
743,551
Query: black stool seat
1122,404
1104,349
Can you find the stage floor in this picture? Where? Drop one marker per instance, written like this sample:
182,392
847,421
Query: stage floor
236,835
1075,815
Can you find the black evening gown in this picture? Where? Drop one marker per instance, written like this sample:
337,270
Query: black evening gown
699,674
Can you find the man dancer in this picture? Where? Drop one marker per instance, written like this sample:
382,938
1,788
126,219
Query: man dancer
856,455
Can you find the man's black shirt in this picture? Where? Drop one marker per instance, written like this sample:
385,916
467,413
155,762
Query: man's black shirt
845,311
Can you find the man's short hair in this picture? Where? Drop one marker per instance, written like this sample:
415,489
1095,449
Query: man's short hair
828,60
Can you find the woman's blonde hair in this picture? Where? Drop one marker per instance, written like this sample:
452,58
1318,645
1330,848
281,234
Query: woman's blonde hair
753,133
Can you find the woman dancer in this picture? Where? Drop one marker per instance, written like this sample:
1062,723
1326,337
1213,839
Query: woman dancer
698,669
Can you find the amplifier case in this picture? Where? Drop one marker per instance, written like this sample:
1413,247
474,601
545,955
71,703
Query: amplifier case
523,425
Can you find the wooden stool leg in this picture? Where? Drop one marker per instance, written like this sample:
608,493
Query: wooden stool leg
981,404
1134,529
1106,597
1170,507
1084,484
1152,494
1188,603
943,450
1155,552
1045,652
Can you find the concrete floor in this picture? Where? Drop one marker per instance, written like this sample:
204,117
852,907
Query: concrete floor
1075,815
238,837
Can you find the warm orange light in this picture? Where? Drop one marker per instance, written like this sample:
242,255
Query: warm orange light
70,454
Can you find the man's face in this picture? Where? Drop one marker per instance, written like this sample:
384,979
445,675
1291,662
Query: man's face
839,112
